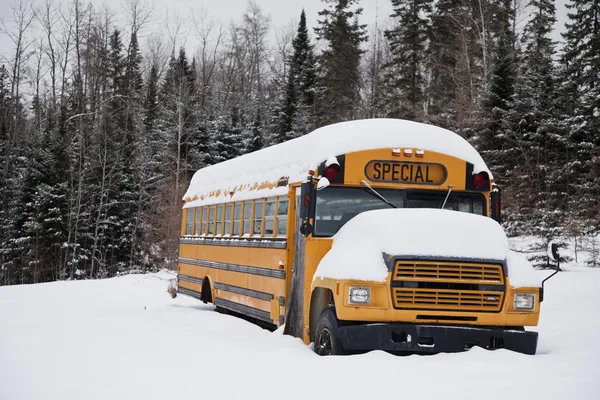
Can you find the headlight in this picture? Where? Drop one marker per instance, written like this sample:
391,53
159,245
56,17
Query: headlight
524,301
359,295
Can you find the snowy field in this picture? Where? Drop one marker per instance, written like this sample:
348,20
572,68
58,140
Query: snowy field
125,338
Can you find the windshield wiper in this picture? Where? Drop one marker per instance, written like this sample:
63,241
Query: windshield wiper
376,194
446,199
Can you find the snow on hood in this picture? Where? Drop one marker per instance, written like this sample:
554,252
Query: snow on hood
358,247
239,179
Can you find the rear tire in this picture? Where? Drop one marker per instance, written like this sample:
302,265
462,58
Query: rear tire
327,341
206,292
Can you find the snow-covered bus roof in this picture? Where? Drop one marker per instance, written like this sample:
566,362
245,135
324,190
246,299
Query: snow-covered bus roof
241,177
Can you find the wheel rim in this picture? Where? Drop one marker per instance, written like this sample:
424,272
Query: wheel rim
324,347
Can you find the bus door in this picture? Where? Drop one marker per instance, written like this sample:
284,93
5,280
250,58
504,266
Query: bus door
294,318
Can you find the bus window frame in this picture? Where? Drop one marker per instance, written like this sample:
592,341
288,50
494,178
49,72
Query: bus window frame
243,232
198,219
271,217
225,221
219,219
204,226
279,216
403,192
189,222
239,220
255,203
211,220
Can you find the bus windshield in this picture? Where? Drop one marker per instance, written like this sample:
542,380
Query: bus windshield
337,205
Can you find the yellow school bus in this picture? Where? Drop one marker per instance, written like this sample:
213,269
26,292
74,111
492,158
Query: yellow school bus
256,229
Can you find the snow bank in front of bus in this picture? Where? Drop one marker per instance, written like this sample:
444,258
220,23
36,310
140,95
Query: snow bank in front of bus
358,248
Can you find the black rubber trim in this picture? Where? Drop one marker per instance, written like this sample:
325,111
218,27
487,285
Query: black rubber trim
271,273
244,292
414,338
262,243
190,292
187,278
281,301
243,309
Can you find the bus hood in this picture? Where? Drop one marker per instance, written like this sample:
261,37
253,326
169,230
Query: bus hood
359,247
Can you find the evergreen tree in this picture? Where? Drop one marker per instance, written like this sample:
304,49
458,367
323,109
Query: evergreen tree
151,102
538,187
226,138
495,137
178,116
133,76
296,109
340,60
205,145
404,74
581,96
255,141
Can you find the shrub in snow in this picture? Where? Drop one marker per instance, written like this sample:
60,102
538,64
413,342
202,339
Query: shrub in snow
593,248
172,288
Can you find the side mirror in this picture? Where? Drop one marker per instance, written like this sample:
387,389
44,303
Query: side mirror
306,228
496,204
554,252
554,255
307,204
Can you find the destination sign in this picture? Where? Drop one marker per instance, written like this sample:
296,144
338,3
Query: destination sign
406,172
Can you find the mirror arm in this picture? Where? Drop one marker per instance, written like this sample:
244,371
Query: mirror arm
550,276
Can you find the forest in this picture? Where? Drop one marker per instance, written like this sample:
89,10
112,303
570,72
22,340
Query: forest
103,121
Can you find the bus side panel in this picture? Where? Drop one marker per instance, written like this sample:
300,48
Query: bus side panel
252,277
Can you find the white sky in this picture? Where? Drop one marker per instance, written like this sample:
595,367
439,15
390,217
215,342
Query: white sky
282,12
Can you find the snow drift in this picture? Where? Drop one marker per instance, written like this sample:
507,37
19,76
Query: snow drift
358,247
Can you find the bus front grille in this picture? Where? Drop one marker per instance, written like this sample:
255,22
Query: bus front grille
447,286
448,271
448,300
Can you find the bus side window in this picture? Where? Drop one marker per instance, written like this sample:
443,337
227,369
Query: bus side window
189,221
211,221
282,219
247,218
219,222
237,218
270,218
228,209
204,220
258,217
198,220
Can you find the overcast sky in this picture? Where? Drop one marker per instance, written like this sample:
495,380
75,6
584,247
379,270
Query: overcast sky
280,11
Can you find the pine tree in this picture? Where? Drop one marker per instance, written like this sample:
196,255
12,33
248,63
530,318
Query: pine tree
496,135
151,102
339,62
296,107
133,76
404,74
255,141
581,96
538,189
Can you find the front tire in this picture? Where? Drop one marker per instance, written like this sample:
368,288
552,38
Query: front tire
327,341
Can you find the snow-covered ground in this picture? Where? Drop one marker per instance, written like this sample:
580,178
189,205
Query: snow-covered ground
125,338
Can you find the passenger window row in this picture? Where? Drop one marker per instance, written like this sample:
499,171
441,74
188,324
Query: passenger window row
267,218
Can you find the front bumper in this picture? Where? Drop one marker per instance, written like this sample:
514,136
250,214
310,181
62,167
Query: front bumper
433,338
